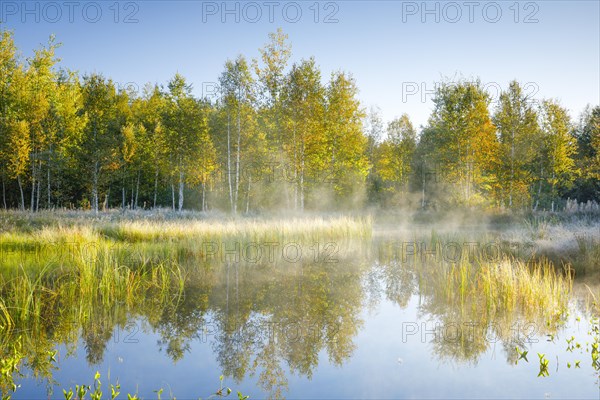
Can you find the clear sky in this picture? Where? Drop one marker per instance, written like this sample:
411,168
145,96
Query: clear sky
396,50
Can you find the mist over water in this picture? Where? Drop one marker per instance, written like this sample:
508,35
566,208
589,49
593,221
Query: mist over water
302,306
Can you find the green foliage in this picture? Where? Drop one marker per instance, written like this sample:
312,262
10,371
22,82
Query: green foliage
277,137
555,161
345,141
304,110
518,132
522,355
460,145
543,366
189,149
587,133
96,394
394,156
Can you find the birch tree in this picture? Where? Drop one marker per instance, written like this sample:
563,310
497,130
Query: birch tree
519,134
303,99
462,142
186,136
347,164
396,154
558,147
102,133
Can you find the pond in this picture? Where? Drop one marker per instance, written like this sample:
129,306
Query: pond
394,315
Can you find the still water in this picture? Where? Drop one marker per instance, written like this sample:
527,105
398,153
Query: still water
355,322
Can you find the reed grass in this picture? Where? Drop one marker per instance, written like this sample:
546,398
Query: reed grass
483,286
303,229
587,257
118,265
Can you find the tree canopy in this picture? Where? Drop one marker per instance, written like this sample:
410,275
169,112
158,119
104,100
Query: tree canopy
280,135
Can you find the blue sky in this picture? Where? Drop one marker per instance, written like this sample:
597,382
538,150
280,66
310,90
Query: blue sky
396,50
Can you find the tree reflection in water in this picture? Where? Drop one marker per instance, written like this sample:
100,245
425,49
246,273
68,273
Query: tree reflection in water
262,319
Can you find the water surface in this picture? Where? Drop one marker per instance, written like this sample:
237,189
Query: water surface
359,322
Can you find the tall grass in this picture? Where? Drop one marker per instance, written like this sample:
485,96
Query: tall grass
84,273
587,257
511,284
39,307
302,229
480,285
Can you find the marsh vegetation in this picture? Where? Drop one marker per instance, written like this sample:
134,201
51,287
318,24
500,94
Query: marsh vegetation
279,298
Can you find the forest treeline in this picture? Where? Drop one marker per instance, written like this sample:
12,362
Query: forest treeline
279,136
